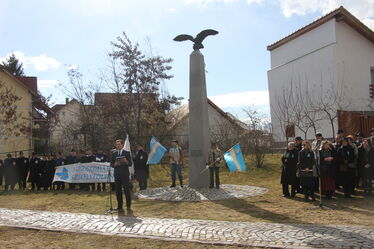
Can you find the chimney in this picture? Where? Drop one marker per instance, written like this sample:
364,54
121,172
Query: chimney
66,100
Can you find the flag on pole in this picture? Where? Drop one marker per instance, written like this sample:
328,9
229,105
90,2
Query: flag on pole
157,151
234,159
127,147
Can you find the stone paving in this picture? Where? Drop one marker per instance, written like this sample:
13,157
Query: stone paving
226,191
270,235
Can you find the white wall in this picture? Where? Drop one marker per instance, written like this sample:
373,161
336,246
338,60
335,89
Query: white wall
334,55
306,62
355,57
307,43
67,119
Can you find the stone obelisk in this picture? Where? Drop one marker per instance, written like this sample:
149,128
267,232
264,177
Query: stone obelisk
199,135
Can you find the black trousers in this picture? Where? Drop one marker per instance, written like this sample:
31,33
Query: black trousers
22,182
9,186
308,191
98,187
286,190
72,186
348,178
122,181
141,176
60,185
214,172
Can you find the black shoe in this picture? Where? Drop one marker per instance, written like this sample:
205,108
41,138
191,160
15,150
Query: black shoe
211,186
129,212
118,209
286,195
172,186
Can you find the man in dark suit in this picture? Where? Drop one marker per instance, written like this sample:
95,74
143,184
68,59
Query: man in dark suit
141,167
34,170
22,164
10,172
120,161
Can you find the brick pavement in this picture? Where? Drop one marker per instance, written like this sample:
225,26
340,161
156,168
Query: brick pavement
203,231
226,191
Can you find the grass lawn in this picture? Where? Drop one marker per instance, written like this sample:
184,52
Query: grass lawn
269,207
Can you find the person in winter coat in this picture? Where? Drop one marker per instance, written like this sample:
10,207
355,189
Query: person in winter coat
306,167
347,166
141,167
289,165
327,169
367,171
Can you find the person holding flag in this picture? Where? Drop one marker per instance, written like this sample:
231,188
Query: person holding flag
121,161
176,163
214,163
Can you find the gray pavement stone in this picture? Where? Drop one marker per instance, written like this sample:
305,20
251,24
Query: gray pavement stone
272,235
226,191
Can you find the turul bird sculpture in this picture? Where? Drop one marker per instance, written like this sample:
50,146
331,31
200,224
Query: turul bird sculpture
198,40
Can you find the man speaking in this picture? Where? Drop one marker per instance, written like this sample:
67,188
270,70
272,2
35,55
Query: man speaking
121,161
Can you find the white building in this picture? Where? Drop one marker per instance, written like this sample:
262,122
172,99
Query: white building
65,126
332,57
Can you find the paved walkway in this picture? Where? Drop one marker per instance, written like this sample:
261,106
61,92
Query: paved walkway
226,191
203,231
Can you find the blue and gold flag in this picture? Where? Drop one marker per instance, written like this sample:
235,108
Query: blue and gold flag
157,151
234,159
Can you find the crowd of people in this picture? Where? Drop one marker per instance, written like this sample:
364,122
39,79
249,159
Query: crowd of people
344,165
37,172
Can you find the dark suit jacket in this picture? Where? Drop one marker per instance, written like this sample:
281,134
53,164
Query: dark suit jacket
123,167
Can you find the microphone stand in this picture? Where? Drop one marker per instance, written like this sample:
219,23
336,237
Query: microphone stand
110,210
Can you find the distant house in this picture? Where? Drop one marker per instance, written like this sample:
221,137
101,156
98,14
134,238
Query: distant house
224,127
331,58
66,127
33,115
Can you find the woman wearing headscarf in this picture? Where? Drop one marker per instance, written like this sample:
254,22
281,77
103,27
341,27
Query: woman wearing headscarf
306,167
347,166
289,164
327,169
367,170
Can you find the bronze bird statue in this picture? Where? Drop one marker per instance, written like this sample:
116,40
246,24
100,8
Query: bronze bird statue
198,40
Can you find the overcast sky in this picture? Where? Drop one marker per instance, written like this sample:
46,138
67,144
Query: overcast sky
49,35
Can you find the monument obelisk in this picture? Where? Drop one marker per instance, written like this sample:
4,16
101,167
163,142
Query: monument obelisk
199,134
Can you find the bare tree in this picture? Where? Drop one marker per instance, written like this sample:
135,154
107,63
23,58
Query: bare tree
258,137
283,109
12,123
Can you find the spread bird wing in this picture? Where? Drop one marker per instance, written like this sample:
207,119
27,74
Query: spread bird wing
203,34
183,38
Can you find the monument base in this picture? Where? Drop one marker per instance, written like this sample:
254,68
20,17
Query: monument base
226,191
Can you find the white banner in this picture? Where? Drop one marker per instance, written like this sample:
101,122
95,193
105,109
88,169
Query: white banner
84,173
